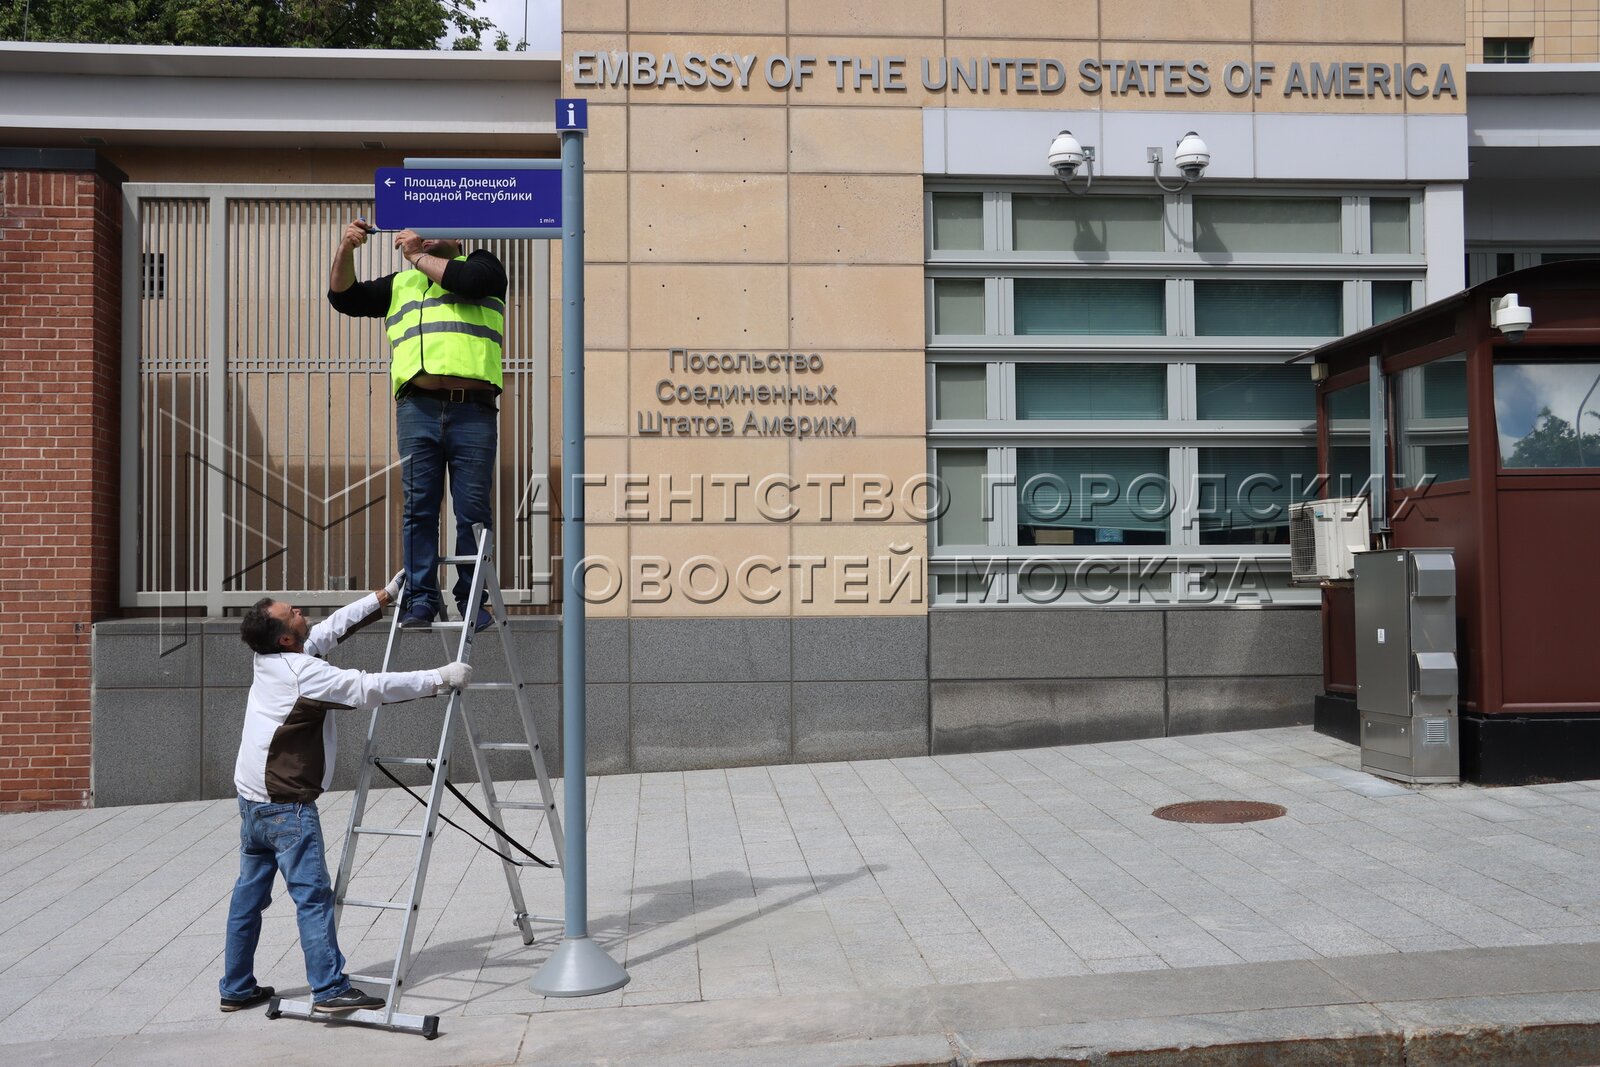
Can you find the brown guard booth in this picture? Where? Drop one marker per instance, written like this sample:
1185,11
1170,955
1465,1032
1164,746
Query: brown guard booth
1515,490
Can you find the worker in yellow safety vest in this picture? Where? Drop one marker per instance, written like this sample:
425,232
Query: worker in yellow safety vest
445,319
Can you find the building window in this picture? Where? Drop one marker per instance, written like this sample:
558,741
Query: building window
1093,496
1251,308
1090,306
1508,49
1266,224
1086,224
1244,493
958,221
1547,413
1091,391
1253,392
958,306
1108,382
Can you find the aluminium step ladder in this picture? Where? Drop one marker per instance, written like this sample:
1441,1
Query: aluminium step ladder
486,586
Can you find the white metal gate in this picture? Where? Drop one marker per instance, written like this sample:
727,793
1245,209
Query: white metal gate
258,450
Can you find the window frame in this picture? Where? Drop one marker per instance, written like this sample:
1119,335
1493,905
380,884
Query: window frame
1182,433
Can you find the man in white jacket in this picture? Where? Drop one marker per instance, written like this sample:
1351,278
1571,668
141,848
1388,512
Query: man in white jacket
286,761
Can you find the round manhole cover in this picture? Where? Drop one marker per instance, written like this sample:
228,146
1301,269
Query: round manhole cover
1219,811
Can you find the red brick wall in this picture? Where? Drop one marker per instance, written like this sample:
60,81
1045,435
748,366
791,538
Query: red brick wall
60,382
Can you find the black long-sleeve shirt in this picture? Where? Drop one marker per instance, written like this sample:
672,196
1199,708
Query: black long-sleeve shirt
479,275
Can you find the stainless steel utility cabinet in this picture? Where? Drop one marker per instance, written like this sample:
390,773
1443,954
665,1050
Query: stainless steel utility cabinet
1406,683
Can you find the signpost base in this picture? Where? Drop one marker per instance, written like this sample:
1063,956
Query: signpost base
578,968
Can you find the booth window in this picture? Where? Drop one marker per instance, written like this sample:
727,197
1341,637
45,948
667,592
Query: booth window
1432,422
1547,413
1093,496
1349,446
1091,391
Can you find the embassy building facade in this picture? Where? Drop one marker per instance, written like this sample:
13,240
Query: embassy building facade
899,440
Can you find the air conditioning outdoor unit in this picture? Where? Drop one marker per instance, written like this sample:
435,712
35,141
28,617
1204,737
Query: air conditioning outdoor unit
1324,536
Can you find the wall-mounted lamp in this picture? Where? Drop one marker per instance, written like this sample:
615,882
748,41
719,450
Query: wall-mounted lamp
1067,157
1191,158
1319,372
1510,317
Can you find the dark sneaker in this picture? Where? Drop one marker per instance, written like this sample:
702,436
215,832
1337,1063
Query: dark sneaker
417,617
482,622
262,994
350,1000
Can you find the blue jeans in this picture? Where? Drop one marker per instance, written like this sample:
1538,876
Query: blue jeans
287,838
436,436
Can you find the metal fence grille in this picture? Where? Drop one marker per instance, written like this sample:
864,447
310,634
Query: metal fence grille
263,452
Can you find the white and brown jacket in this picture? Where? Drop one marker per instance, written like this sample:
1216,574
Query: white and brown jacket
287,751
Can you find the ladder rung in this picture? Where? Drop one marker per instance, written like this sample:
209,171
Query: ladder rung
458,559
433,626
386,831
404,761
369,979
503,746
525,805
495,685
386,905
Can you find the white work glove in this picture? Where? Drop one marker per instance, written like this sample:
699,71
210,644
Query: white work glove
455,675
395,585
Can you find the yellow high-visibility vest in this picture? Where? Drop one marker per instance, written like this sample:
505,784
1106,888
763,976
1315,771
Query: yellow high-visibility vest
434,331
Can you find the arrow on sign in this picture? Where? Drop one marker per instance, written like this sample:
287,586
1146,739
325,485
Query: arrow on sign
388,181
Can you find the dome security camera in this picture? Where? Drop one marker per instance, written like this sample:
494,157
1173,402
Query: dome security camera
1510,317
1066,155
1192,157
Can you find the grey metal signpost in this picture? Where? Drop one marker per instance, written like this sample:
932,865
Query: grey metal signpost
578,967
508,198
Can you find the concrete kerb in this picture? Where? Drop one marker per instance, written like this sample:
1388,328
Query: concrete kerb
909,1028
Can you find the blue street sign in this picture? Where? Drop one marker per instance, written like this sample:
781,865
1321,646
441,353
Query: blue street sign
464,202
572,114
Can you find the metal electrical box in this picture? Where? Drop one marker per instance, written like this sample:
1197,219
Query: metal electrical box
1406,682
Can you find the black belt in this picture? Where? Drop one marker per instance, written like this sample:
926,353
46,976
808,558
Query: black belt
452,396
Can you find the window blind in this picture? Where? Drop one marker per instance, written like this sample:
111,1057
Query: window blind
1053,486
1086,224
1268,308
1265,224
1090,306
1253,487
1091,391
1231,391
